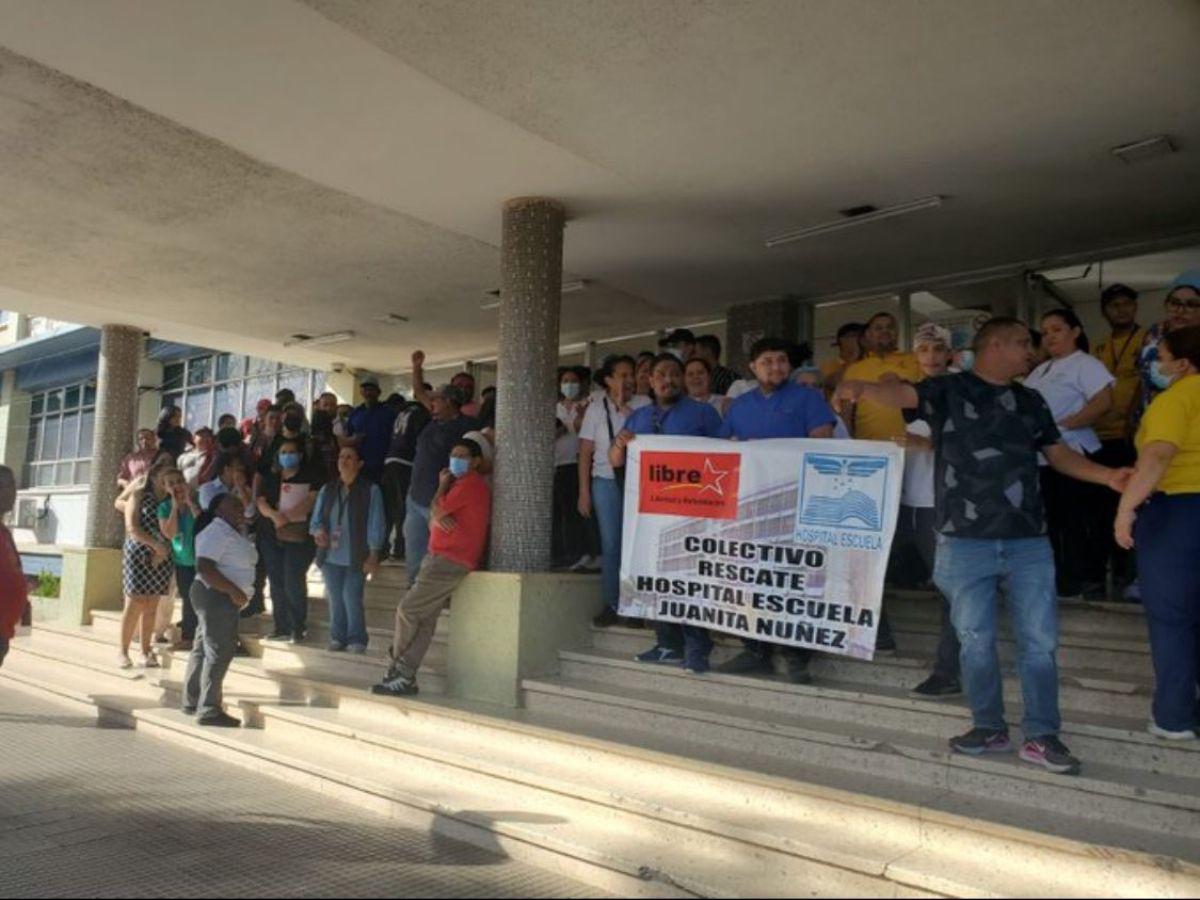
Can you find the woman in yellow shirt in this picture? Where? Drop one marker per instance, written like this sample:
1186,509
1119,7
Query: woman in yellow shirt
1160,513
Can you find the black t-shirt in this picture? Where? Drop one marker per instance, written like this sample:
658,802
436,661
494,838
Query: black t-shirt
986,440
271,487
433,455
408,427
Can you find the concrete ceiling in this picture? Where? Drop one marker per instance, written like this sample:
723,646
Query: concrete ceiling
232,173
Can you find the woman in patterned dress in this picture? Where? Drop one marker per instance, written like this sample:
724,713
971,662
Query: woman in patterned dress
146,565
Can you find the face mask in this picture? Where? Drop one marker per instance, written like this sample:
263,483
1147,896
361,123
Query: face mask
293,423
570,389
1160,379
459,466
289,460
966,360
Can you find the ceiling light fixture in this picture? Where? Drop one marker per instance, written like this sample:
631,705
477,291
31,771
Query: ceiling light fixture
851,221
492,298
1140,151
304,340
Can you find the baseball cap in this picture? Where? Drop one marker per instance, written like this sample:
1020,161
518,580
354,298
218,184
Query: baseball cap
850,328
678,336
369,381
932,333
263,405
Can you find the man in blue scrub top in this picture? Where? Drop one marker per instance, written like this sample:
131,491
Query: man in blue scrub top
671,413
777,408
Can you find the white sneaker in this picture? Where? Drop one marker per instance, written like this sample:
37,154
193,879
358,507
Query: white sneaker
150,661
1154,729
123,661
581,563
356,649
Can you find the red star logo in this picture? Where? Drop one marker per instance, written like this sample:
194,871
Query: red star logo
712,479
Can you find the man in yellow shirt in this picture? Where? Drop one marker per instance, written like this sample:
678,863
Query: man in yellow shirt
1120,353
881,362
850,351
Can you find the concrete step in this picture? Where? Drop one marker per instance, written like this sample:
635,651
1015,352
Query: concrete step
1077,617
1167,806
382,617
1080,690
366,669
1122,742
640,821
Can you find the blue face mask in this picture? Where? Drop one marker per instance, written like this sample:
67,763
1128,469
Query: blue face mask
570,389
1158,377
289,460
459,466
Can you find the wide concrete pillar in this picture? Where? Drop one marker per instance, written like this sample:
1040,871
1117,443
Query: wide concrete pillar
116,420
531,299
748,322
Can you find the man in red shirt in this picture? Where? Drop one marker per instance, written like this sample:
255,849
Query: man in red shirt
13,596
458,534
138,463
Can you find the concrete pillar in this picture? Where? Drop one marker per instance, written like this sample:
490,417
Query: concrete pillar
749,322
904,320
531,300
116,419
591,355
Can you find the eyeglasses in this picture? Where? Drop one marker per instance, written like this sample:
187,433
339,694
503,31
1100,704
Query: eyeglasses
1191,304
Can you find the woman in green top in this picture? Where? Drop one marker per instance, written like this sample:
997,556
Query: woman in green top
177,521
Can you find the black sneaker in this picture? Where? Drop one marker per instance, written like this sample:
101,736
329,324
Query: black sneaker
630,622
298,637
278,636
240,649
937,687
188,710
219,720
1051,754
979,741
745,663
607,619
400,681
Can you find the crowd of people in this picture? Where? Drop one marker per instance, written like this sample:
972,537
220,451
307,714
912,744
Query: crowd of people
1032,468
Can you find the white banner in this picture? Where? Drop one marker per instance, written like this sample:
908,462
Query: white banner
784,541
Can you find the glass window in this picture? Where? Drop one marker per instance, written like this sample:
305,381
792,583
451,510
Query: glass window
50,431
230,366
173,377
227,398
200,370
69,446
257,389
297,381
197,411
61,427
261,367
87,425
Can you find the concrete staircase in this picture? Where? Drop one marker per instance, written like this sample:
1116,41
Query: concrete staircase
646,781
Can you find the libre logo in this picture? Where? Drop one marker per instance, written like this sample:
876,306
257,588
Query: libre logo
700,485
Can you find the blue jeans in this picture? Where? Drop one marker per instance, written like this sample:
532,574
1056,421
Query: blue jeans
287,572
971,573
608,506
344,588
416,537
1167,541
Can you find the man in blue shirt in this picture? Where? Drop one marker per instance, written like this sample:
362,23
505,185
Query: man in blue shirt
370,430
777,408
671,413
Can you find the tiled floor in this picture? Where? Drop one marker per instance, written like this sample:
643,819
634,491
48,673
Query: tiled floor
98,812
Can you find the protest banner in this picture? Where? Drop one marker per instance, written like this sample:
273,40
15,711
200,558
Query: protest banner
784,541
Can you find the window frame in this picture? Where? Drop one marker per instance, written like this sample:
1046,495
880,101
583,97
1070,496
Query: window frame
40,414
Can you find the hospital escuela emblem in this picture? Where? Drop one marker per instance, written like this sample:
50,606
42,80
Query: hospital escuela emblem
843,491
